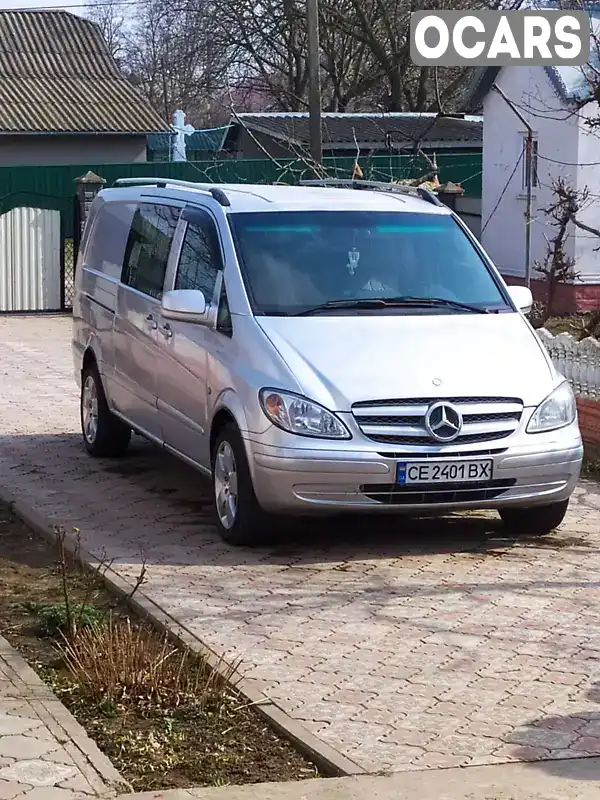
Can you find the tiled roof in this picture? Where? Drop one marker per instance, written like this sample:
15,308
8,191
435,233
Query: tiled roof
370,130
57,76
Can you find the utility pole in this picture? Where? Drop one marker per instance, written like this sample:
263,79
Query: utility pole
529,179
314,81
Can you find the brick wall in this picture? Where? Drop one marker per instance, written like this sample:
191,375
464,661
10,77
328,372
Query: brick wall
569,297
589,422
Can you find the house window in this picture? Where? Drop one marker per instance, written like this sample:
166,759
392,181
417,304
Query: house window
530,164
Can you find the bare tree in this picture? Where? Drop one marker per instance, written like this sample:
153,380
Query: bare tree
383,27
109,17
183,53
365,53
350,74
266,47
169,50
558,267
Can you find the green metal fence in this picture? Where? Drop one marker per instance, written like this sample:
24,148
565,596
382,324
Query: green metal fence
54,186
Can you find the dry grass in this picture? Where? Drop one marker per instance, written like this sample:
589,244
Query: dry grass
118,663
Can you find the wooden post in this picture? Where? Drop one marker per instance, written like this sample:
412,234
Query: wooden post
314,84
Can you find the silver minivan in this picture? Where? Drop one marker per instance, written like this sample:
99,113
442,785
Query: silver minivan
318,350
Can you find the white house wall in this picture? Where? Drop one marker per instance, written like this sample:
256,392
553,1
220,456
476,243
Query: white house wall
504,234
586,257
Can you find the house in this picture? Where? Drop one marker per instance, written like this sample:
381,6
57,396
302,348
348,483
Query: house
285,134
564,146
62,97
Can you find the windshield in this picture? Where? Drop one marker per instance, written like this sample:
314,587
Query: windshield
293,261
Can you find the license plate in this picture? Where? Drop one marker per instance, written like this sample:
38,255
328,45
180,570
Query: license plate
472,471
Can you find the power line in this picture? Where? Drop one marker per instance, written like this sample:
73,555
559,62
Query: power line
63,6
570,163
488,220
470,178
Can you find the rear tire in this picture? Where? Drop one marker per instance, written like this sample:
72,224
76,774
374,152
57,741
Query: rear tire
534,521
104,434
240,518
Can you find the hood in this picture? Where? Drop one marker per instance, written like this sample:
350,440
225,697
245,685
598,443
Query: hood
341,360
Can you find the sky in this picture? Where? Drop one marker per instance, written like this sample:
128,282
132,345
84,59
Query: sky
7,5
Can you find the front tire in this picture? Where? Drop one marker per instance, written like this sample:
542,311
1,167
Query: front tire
104,435
535,521
240,518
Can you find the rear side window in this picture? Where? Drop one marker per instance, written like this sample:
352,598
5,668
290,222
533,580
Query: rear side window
148,248
108,238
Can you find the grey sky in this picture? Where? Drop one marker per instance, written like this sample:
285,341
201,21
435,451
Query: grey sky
7,5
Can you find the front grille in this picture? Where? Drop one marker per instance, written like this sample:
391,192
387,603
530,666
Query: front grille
406,454
475,437
415,494
407,420
403,421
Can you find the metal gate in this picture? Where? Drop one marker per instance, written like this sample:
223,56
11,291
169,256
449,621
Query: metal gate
31,260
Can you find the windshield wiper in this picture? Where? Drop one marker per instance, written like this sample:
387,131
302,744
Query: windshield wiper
367,302
437,301
392,302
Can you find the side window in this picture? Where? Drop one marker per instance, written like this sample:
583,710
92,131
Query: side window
200,260
148,248
108,238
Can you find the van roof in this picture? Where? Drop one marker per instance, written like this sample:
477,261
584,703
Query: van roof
265,197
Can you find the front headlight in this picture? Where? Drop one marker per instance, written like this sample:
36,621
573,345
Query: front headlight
557,410
296,414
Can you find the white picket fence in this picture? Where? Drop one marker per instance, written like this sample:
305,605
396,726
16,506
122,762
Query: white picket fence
579,362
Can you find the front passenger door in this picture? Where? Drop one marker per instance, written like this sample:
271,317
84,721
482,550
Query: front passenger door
138,312
183,368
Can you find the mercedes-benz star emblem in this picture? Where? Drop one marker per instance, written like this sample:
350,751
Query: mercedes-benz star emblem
443,422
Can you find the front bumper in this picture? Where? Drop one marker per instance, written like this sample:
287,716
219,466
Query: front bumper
528,470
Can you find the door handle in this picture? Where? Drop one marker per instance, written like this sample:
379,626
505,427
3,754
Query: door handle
152,323
166,330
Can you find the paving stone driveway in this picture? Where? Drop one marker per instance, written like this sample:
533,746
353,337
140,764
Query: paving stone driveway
44,753
403,645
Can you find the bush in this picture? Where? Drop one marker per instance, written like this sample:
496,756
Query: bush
538,314
53,618
117,663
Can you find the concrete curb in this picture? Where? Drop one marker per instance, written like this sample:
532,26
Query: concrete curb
576,779
328,760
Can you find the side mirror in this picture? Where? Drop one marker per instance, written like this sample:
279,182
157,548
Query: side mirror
185,305
521,297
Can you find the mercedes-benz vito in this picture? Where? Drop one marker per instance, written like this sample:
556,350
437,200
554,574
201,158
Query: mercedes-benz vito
316,350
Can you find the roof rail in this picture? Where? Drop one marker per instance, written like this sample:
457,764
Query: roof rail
377,186
218,194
